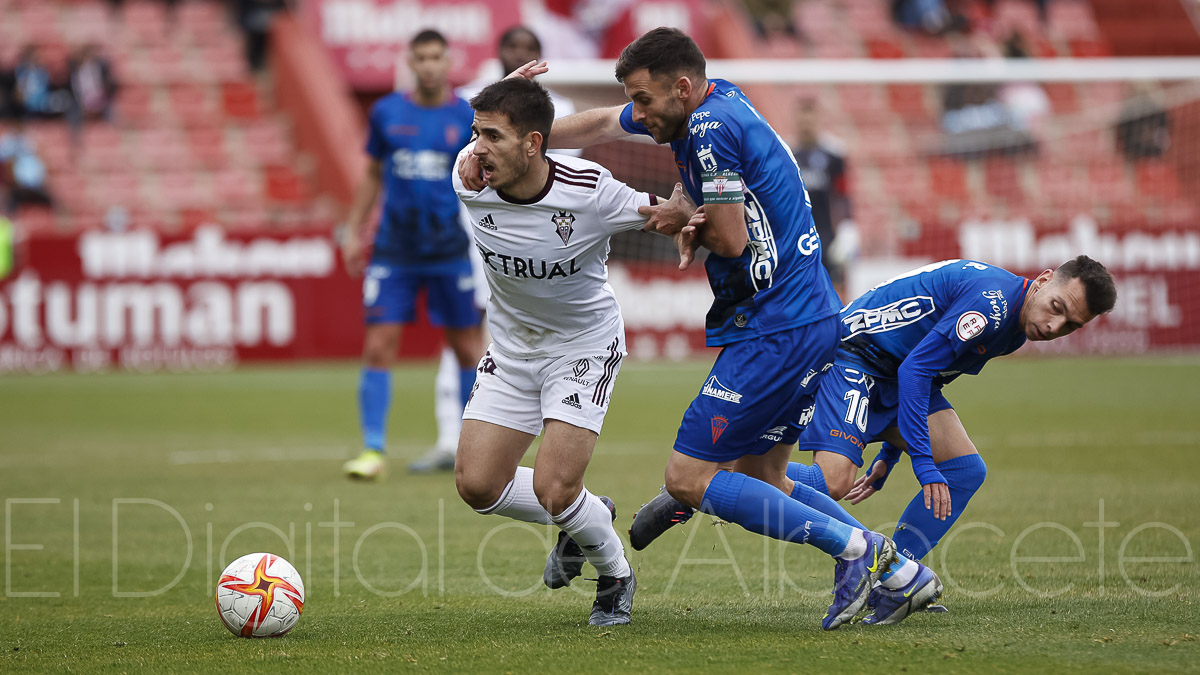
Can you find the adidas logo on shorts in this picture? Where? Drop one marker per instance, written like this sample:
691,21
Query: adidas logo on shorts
573,401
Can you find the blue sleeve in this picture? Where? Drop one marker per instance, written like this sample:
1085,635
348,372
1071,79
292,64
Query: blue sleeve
932,355
376,144
629,125
889,455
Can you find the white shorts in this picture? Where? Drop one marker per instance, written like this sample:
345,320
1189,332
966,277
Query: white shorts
521,393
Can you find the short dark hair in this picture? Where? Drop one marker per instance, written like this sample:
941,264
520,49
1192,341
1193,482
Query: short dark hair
508,36
525,103
662,51
427,35
1098,285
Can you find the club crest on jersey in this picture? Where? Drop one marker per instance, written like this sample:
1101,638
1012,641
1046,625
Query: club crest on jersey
970,325
563,225
718,426
715,389
705,156
889,317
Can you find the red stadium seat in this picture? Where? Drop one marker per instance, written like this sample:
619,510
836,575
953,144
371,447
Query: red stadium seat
1002,179
283,184
948,179
1158,179
240,100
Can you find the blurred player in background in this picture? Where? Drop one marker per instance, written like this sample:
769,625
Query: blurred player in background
421,246
542,224
903,341
774,315
517,46
824,170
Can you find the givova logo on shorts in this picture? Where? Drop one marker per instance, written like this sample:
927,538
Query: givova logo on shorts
891,316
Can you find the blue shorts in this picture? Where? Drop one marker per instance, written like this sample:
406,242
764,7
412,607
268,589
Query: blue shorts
760,392
854,409
390,294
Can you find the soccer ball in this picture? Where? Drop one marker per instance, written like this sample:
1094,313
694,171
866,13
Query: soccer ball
260,595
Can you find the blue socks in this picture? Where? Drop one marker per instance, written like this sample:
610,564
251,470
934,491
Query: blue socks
918,531
374,399
466,382
811,497
809,475
761,508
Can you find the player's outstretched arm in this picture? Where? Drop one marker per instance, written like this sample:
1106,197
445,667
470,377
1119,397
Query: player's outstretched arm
590,127
354,243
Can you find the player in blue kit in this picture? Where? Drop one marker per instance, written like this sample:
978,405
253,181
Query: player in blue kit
774,313
902,342
420,246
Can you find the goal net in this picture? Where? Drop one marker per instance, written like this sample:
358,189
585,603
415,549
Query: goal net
1022,164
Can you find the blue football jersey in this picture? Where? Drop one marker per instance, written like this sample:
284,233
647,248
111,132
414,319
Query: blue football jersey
974,305
778,282
417,146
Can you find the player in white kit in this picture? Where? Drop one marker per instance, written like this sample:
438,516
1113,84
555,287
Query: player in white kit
542,225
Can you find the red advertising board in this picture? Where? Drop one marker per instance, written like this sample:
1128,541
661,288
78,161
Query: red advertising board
1157,272
142,301
367,38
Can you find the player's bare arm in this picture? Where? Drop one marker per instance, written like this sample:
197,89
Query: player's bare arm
354,243
721,228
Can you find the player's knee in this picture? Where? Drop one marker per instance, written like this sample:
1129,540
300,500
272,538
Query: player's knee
839,483
555,494
478,491
683,486
970,472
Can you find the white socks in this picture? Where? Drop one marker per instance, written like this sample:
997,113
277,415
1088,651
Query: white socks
856,547
903,571
589,522
447,404
519,502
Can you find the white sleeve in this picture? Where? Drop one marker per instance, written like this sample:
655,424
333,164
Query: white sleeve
459,188
617,203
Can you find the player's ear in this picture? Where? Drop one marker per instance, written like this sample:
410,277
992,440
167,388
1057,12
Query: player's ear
683,85
534,143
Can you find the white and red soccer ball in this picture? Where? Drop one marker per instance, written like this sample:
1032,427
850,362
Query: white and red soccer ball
260,595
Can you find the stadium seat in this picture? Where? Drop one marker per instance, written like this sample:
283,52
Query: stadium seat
240,100
948,179
1158,179
283,184
1002,179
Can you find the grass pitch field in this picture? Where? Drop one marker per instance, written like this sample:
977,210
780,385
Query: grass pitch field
148,485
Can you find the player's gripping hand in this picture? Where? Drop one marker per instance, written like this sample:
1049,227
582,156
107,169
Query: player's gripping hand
470,173
686,242
869,483
354,254
937,497
671,216
530,70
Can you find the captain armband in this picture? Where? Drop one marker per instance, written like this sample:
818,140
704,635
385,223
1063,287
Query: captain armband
722,187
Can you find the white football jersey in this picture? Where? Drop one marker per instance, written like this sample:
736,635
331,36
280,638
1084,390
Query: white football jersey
545,258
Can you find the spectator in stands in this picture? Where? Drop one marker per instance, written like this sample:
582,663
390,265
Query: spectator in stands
1143,128
930,16
1026,102
771,17
92,85
32,85
974,118
8,94
22,172
255,17
823,167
